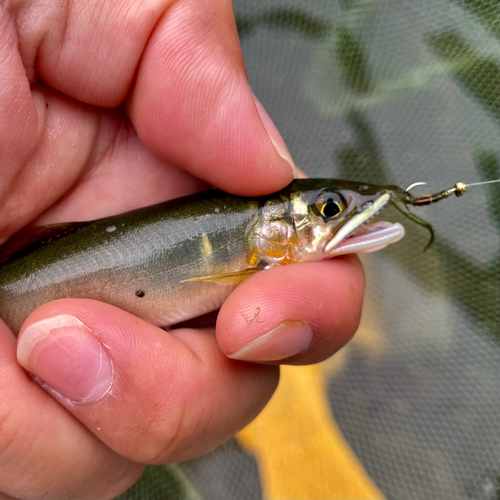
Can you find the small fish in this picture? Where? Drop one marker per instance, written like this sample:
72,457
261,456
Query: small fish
177,260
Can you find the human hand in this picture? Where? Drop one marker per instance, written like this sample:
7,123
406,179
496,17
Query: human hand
70,151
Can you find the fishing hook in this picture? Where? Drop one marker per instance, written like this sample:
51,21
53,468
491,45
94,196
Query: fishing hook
415,184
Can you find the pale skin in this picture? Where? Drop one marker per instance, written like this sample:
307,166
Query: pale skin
106,106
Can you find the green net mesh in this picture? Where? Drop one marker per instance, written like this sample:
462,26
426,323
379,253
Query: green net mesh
393,92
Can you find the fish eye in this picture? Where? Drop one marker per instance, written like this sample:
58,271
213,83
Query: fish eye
330,205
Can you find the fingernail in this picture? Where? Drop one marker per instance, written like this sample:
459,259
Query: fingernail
64,354
275,136
288,339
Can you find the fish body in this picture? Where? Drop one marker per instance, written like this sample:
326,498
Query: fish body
180,259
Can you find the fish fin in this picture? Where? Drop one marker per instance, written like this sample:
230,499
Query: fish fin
225,279
30,238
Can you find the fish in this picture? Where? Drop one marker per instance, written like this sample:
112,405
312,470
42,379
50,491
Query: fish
180,259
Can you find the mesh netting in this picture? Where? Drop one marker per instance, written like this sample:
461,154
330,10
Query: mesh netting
394,92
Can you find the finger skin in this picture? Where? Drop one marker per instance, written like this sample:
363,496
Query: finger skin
173,397
326,295
125,176
192,75
199,116
44,451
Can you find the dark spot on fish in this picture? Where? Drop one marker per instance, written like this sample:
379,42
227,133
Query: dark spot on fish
47,105
140,293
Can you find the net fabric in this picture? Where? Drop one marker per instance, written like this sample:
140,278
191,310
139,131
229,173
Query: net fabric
395,92
227,472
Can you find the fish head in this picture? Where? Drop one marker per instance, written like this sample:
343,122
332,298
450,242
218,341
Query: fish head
330,217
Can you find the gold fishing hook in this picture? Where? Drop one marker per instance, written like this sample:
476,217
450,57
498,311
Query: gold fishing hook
458,190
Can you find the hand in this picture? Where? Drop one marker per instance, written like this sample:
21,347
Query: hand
97,101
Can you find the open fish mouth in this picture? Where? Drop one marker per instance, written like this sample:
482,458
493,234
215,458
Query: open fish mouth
369,238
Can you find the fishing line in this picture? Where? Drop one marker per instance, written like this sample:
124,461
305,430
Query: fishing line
484,182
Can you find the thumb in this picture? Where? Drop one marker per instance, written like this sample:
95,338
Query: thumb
192,104
149,395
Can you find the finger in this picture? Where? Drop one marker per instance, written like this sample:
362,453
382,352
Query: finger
19,121
124,176
151,396
50,143
296,314
44,451
88,164
191,102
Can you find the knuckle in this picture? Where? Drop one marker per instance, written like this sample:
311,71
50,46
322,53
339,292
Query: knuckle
8,434
171,426
162,437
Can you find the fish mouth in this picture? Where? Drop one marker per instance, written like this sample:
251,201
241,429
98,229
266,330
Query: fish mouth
355,236
368,210
368,238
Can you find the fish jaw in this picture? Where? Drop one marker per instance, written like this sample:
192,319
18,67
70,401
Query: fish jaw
369,238
368,210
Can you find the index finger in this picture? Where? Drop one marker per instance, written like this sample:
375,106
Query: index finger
180,65
192,104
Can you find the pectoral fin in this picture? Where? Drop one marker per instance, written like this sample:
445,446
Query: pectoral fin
225,279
